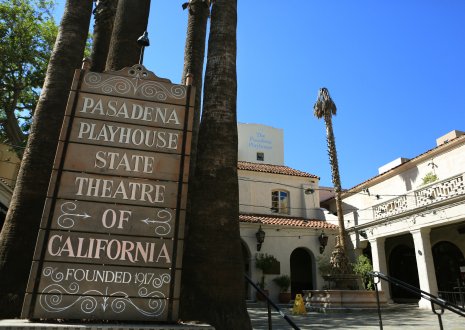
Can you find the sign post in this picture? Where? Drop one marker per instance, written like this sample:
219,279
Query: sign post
110,240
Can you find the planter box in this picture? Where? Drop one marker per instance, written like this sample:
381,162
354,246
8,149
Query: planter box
327,299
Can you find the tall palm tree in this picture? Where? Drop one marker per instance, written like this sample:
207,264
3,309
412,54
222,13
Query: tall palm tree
104,15
21,226
130,23
324,108
213,280
194,54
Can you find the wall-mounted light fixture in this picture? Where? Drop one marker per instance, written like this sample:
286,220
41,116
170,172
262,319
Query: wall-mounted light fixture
323,240
309,191
363,234
260,235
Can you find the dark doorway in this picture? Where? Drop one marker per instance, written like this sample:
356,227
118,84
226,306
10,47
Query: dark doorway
246,258
447,260
403,266
301,271
367,252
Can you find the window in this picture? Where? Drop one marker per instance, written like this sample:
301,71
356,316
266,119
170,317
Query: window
280,201
260,156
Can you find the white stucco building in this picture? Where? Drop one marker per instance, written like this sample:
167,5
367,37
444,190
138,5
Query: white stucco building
411,219
284,203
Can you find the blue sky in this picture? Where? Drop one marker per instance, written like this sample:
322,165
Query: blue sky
395,69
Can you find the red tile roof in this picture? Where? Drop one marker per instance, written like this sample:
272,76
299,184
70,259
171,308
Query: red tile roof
285,221
276,169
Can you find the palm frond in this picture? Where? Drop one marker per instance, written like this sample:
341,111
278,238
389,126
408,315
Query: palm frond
324,105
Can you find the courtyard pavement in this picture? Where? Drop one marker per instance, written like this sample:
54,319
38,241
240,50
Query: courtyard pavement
396,316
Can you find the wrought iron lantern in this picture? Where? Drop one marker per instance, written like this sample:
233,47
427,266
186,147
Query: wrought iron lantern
143,42
323,239
260,235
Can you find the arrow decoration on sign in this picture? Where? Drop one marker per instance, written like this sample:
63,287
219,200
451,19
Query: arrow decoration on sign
105,299
162,221
67,220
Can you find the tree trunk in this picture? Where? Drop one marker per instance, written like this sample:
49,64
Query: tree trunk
194,54
339,259
11,126
213,272
21,226
130,23
104,15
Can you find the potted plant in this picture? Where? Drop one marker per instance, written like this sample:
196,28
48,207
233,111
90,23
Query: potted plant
268,264
283,281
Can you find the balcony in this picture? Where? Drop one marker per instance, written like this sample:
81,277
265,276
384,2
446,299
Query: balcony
427,195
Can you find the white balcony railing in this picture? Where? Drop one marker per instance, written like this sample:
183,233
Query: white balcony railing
427,195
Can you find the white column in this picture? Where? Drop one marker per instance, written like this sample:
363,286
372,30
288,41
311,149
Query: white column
425,264
379,263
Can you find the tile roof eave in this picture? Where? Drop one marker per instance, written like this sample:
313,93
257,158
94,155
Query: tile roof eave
273,169
285,221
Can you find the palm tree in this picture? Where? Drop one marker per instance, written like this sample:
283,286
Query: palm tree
194,54
130,23
324,108
104,14
212,288
21,226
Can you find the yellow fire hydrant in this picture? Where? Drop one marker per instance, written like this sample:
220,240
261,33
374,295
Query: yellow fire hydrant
299,305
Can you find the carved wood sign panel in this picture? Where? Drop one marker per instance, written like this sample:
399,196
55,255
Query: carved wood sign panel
110,243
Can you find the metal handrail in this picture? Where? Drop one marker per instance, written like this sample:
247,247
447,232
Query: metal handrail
443,304
269,302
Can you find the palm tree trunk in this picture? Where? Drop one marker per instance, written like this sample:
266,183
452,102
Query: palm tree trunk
213,281
130,23
339,257
194,54
21,226
104,15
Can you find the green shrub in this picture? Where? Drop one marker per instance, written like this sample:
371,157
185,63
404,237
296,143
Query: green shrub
283,281
265,262
429,178
362,267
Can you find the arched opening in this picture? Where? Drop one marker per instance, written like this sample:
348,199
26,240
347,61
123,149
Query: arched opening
367,252
447,260
403,266
301,271
246,259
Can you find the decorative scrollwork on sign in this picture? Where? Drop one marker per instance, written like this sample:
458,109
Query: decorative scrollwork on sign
159,281
54,275
134,83
163,226
51,300
66,219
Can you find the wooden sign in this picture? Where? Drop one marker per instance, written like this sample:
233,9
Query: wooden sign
111,237
82,216
129,163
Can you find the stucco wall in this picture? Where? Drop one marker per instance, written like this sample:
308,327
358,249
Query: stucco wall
255,192
281,242
253,138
